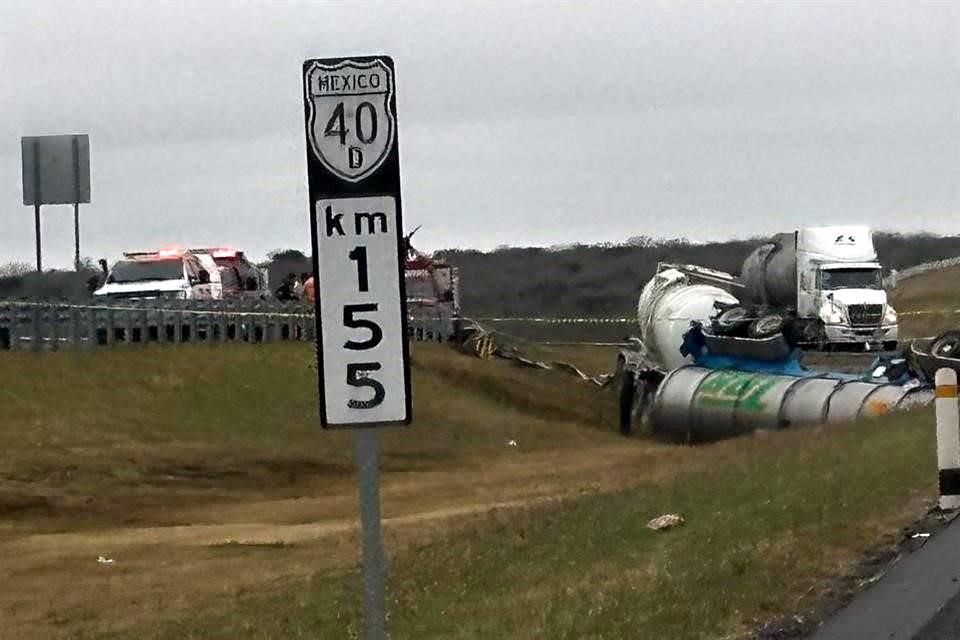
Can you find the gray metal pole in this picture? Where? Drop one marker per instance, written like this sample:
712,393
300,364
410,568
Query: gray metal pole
76,236
36,222
76,203
37,198
374,571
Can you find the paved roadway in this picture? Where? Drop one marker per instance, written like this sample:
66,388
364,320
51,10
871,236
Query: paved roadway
918,598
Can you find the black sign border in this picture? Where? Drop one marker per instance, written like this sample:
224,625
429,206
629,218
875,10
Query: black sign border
384,181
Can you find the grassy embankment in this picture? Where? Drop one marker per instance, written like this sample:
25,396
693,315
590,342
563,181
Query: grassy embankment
111,449
936,295
138,422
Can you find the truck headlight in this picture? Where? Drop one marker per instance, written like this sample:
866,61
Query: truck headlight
890,315
833,314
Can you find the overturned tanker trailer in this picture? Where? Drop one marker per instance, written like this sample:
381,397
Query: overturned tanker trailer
683,382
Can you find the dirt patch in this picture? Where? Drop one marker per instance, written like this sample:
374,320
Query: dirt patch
19,504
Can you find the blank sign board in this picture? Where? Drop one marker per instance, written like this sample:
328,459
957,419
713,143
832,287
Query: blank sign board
56,169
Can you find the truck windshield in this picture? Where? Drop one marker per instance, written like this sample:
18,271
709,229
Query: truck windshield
139,271
851,279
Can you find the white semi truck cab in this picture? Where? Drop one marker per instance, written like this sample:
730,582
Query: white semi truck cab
830,278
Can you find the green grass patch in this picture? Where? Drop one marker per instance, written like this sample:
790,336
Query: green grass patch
202,418
763,534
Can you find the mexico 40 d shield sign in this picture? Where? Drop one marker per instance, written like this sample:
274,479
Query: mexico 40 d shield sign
351,126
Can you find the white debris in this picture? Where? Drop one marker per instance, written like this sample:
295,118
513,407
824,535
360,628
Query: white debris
920,535
511,443
666,521
103,560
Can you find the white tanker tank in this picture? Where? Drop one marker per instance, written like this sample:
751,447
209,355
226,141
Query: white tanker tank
668,304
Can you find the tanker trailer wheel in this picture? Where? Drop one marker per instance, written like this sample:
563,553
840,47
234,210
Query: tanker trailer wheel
765,326
731,320
625,393
947,345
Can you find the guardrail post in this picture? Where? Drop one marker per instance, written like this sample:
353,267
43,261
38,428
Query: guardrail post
309,327
53,316
178,331
948,438
14,327
111,326
144,325
75,339
35,338
93,328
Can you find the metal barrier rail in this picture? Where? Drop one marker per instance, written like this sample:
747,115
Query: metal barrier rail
895,278
56,325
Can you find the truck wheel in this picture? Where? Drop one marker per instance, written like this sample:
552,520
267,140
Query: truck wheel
765,326
625,396
947,345
731,320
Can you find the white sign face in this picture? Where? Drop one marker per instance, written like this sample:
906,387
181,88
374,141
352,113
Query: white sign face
351,124
361,321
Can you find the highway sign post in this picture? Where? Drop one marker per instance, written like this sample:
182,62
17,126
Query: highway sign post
356,226
56,170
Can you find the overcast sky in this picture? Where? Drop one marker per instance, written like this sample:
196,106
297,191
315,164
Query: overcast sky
520,124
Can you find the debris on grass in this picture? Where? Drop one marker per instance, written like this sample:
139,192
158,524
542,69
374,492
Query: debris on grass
666,521
104,560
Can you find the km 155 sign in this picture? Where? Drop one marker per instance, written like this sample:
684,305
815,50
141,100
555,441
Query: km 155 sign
357,233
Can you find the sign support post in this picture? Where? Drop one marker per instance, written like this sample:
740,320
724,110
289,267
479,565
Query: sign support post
76,203
374,571
359,257
38,198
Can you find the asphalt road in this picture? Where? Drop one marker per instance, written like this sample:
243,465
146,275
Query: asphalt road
917,599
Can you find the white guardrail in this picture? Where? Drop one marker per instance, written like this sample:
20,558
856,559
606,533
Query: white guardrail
57,325
895,277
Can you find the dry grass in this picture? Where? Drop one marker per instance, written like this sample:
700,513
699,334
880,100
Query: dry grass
931,291
203,473
803,504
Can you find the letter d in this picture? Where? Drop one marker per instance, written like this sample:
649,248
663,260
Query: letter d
356,158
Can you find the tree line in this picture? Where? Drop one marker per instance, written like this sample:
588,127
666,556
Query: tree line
570,280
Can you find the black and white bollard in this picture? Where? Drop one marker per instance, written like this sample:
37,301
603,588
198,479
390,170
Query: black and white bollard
948,438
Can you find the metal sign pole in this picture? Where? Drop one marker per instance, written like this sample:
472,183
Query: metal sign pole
36,223
37,199
76,236
374,572
76,204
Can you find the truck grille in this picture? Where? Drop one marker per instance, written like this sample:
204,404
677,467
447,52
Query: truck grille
865,315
